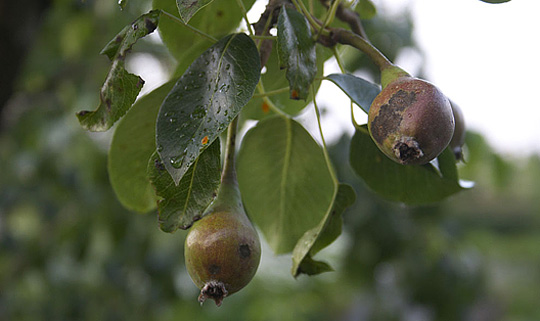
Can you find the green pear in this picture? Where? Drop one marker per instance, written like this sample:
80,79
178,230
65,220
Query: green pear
222,250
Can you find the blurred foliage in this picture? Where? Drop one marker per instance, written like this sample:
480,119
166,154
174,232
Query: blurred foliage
70,251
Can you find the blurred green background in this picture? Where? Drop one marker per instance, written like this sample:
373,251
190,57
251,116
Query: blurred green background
70,251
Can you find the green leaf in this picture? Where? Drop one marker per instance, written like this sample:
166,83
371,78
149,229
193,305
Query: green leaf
360,91
296,51
366,9
120,88
184,203
309,266
188,8
284,180
322,235
133,143
273,79
410,184
205,100
217,20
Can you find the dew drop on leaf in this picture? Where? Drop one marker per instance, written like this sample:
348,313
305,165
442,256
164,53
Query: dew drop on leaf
177,161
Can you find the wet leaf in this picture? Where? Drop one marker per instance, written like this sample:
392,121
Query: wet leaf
120,88
205,100
410,184
284,180
133,143
180,205
322,235
360,91
296,51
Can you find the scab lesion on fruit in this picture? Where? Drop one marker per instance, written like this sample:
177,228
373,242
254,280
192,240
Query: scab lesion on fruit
391,114
244,251
214,269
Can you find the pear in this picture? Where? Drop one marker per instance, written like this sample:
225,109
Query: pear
411,121
222,250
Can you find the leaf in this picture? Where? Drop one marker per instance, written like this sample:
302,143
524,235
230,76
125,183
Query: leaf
366,9
120,88
205,100
133,143
360,91
217,20
410,184
188,8
296,51
322,235
284,180
184,203
309,266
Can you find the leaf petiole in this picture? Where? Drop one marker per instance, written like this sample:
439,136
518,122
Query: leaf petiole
267,101
244,15
325,149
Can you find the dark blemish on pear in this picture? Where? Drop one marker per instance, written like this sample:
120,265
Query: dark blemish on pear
214,269
391,114
244,250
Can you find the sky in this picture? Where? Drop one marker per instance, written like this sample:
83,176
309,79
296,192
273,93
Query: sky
482,56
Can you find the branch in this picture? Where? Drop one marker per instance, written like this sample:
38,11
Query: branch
350,17
262,28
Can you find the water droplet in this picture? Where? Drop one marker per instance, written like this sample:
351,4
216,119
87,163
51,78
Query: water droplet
228,67
172,120
226,112
201,74
177,161
223,87
160,148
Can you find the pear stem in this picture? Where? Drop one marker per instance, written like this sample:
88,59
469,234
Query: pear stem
229,168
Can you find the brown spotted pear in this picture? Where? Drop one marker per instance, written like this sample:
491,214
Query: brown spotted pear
411,121
222,250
